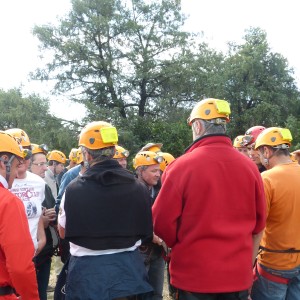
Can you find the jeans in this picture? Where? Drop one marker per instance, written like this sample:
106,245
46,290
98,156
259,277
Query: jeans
172,289
60,292
264,289
43,266
184,295
155,268
106,277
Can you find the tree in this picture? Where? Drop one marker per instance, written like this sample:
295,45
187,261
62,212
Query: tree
194,78
117,54
32,115
293,124
130,64
258,83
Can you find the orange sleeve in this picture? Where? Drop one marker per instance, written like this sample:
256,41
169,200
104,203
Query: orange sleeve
17,246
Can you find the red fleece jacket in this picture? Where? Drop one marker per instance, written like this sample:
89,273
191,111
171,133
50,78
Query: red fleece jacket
210,204
16,248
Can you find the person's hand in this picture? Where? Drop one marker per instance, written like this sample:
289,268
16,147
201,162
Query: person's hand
296,155
49,215
157,240
41,245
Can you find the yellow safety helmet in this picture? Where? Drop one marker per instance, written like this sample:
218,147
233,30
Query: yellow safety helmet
121,152
146,158
9,144
57,156
238,141
275,137
216,110
167,159
98,135
20,135
35,148
79,156
73,155
154,147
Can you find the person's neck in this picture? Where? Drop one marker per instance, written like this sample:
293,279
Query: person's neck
279,160
146,184
21,175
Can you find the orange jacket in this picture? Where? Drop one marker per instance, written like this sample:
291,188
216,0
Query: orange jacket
16,248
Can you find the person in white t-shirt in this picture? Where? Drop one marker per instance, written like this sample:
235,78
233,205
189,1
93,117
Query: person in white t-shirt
30,188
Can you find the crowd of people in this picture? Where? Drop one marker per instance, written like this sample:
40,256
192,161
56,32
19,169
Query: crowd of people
221,220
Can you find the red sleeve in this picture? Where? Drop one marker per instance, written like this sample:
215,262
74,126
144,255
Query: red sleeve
166,211
17,246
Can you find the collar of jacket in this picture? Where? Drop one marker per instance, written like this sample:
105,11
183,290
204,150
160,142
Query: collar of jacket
108,172
208,139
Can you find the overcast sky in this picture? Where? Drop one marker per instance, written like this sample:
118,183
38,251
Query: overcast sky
220,20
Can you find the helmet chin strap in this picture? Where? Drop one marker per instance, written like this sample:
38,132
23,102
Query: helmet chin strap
8,166
54,169
267,160
86,164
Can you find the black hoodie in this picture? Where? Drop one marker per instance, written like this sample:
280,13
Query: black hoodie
107,208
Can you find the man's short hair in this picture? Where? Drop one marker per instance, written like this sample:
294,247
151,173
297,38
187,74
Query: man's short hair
211,128
276,151
139,169
101,154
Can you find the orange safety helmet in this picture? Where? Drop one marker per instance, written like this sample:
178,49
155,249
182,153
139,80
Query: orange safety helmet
275,137
73,155
146,158
79,156
98,135
121,152
35,148
9,144
154,147
20,135
57,156
211,109
238,141
167,159
252,134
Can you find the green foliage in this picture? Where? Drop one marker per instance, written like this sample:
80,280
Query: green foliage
131,64
293,124
173,132
32,115
145,131
259,84
112,54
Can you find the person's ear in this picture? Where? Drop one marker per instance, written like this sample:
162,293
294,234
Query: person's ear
266,152
197,127
4,160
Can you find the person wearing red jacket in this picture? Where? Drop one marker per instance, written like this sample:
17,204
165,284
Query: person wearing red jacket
211,211
17,272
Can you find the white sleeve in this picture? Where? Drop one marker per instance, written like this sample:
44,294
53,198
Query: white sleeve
62,213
